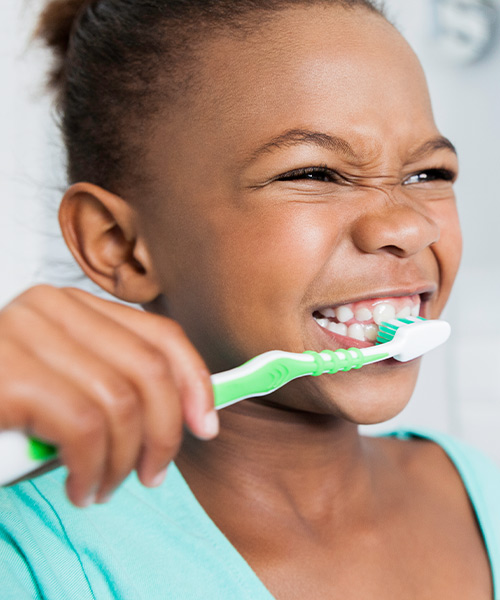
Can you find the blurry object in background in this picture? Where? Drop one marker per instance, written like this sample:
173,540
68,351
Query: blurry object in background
465,30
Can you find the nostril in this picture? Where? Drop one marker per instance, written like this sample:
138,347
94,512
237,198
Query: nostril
396,250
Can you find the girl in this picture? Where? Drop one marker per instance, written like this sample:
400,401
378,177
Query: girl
257,174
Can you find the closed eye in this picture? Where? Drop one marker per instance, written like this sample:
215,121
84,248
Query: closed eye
322,174
430,175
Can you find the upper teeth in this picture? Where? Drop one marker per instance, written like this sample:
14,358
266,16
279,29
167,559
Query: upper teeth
383,312
361,322
364,314
344,314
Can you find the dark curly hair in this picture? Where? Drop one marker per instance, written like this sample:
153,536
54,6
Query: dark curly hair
117,62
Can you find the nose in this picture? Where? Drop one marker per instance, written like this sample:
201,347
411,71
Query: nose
401,228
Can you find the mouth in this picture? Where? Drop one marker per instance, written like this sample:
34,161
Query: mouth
359,321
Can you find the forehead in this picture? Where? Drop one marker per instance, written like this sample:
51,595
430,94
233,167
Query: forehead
320,62
347,73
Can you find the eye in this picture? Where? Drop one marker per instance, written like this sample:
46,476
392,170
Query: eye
430,175
322,174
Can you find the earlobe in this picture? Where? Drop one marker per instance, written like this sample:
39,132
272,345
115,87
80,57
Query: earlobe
100,229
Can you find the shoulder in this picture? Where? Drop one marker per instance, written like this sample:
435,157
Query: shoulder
480,477
446,465
476,469
450,469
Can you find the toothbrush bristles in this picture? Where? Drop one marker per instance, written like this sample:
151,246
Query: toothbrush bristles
381,339
388,329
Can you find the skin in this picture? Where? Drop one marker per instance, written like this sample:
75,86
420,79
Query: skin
236,256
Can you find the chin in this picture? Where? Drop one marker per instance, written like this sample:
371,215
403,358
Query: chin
374,394
377,412
380,398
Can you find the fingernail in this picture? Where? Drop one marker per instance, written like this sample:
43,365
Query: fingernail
159,479
105,499
88,500
211,424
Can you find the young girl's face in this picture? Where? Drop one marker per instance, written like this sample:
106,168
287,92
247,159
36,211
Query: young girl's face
303,172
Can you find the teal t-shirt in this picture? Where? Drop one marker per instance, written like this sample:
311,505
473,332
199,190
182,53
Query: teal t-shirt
160,544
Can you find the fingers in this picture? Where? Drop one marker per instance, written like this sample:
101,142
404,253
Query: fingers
190,373
163,366
74,424
115,384
114,397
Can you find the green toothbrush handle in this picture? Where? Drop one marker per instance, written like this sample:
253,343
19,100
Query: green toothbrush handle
38,450
270,371
261,381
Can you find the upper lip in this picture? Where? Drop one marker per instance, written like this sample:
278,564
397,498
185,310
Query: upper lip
425,291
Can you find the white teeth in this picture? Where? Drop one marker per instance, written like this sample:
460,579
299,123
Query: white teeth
363,314
371,332
331,326
364,329
344,313
383,312
323,322
356,331
404,313
338,328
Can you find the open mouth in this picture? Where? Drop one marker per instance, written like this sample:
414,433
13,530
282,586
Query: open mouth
360,320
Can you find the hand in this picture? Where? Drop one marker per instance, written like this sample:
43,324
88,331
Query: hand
109,385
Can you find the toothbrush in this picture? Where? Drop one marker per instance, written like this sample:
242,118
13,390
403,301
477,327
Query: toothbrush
402,339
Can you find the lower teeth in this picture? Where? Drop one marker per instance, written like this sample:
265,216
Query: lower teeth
357,331
371,332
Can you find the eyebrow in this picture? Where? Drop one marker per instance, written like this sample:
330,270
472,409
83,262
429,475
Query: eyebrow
437,143
295,137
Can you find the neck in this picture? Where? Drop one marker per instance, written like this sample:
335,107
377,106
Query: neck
277,458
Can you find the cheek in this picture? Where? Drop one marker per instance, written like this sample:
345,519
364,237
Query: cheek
448,251
272,256
248,282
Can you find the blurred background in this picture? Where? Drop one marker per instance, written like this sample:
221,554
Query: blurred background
458,42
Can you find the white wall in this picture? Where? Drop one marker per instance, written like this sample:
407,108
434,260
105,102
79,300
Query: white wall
21,152
31,161
459,390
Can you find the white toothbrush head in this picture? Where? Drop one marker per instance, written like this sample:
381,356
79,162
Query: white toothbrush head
413,336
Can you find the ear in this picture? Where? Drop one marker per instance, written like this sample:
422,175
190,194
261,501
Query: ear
100,229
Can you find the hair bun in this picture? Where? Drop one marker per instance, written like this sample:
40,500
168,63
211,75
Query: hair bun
54,30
